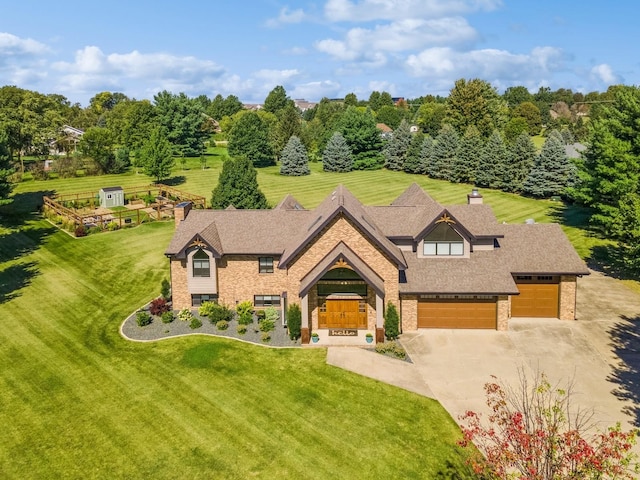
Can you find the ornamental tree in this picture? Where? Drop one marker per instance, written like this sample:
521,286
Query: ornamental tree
238,186
535,432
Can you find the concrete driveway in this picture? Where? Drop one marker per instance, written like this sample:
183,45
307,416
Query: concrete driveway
600,352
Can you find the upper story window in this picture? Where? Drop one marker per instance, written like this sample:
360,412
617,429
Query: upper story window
443,240
266,264
201,264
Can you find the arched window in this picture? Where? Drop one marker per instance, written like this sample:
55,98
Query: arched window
201,266
443,240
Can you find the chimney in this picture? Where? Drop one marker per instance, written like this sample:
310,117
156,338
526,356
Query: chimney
180,211
474,198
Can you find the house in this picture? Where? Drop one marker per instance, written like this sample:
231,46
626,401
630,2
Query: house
67,142
342,262
111,197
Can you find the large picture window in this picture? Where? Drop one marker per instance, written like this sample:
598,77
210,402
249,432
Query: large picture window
198,299
443,240
201,264
265,264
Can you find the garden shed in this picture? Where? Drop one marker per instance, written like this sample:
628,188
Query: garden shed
111,197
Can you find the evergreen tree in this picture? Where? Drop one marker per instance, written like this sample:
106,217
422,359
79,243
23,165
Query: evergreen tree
293,159
249,137
551,171
337,155
5,169
522,154
238,186
426,156
610,176
182,120
445,150
276,100
396,149
156,155
496,147
413,163
289,124
486,172
391,322
469,151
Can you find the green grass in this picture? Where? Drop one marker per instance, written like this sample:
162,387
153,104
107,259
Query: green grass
78,401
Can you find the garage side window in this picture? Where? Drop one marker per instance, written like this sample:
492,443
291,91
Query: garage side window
443,240
201,264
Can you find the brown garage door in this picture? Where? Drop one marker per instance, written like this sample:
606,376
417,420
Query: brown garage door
457,313
536,299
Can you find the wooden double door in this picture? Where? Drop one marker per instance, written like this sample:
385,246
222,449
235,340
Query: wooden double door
343,313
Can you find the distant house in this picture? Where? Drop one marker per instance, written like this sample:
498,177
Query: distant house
385,130
303,105
252,106
111,197
67,141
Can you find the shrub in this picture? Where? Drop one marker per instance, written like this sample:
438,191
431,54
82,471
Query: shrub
80,231
267,325
245,318
266,336
242,329
391,322
391,348
215,312
244,307
195,323
158,306
294,321
143,318
111,226
272,315
165,289
261,314
167,317
222,325
185,315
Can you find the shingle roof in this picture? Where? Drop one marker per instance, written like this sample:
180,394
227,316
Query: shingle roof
478,219
289,203
538,248
415,195
480,274
340,202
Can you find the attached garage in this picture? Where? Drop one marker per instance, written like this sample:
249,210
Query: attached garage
539,296
476,312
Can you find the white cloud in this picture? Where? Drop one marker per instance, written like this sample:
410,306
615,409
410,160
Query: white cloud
295,51
314,91
276,77
12,46
368,10
286,16
488,64
92,70
604,74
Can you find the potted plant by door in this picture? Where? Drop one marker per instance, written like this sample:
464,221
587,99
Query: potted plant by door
315,337
369,337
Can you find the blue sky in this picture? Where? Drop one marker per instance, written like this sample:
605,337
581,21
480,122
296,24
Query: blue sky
315,48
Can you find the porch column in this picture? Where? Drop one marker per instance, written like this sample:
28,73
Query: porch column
305,334
379,319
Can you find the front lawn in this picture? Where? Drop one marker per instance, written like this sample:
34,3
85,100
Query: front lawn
78,401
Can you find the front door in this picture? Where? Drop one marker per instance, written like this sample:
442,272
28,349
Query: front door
343,313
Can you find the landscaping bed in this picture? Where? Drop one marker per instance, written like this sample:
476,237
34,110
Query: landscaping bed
157,330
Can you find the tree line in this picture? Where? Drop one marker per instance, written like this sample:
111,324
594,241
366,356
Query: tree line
473,135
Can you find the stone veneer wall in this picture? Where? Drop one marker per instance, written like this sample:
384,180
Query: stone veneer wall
339,230
409,312
504,312
239,279
179,284
568,291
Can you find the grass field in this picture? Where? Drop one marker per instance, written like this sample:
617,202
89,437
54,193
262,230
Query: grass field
78,401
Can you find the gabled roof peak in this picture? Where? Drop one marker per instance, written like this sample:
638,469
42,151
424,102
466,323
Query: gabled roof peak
414,195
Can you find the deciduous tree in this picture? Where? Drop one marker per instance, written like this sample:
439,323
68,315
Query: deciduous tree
249,137
535,432
6,169
363,137
475,102
98,143
156,155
